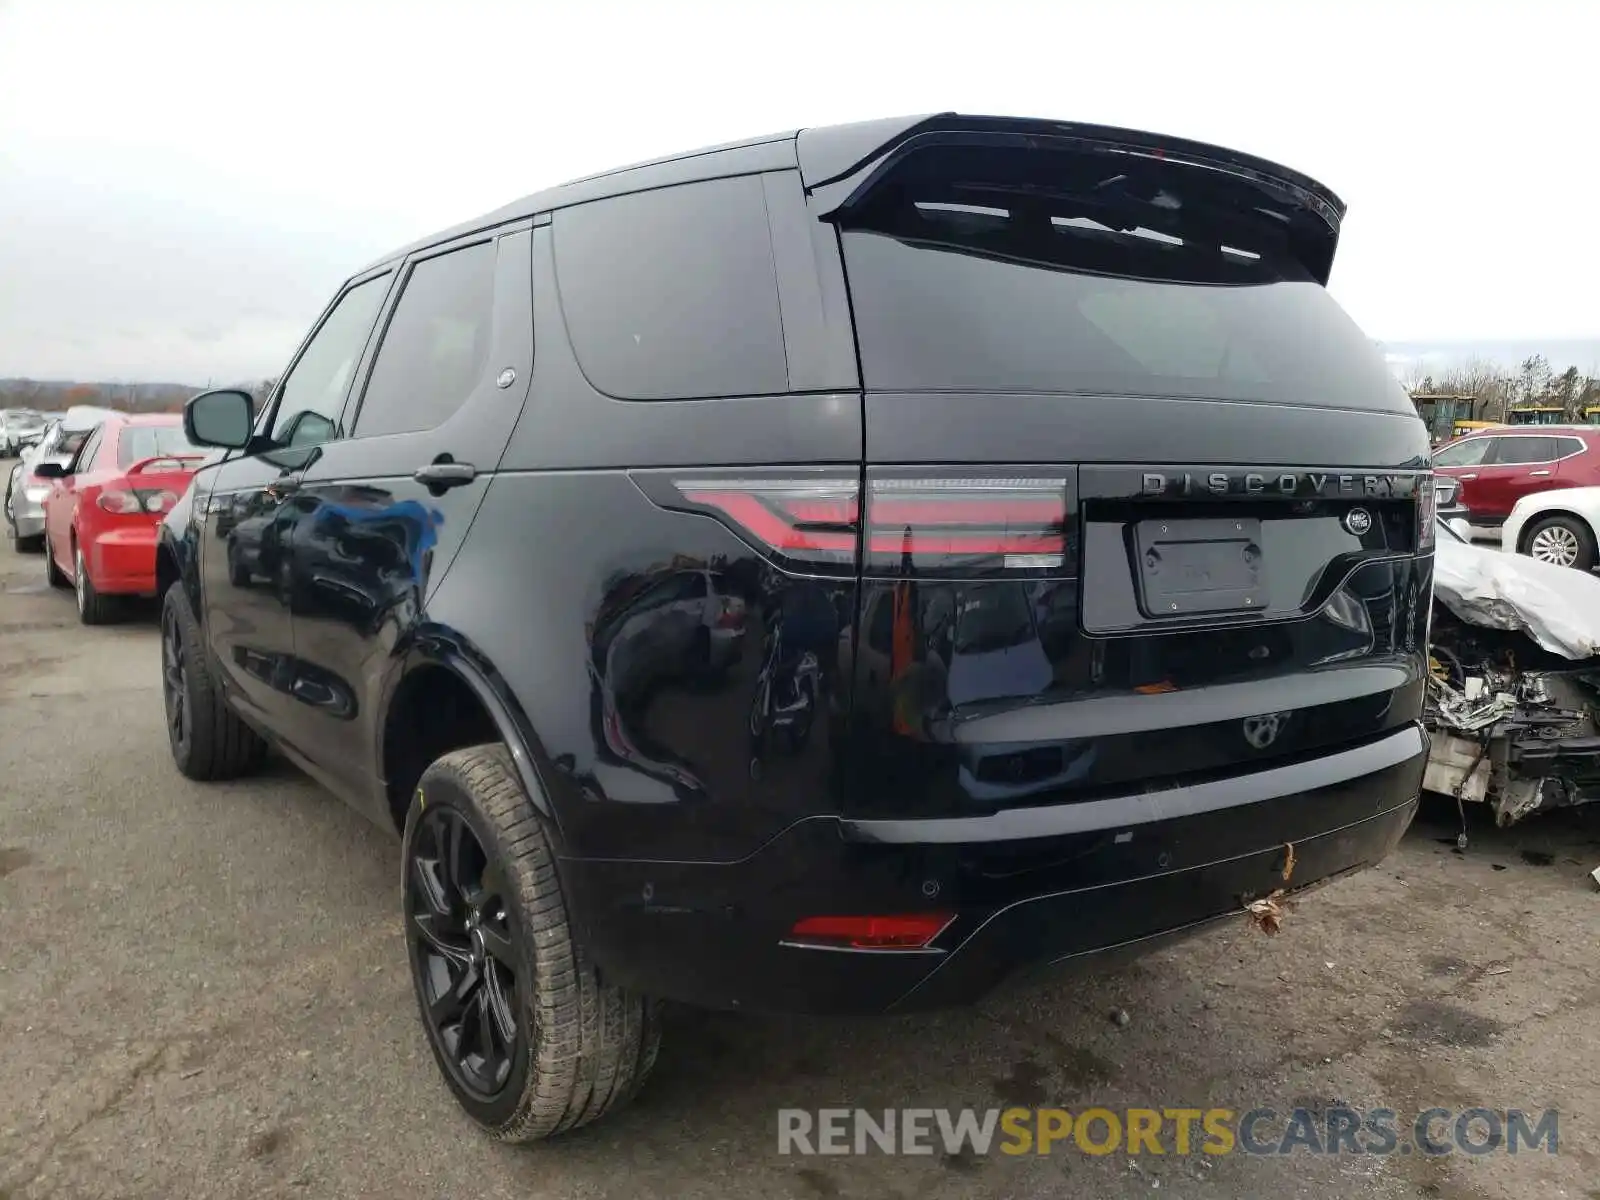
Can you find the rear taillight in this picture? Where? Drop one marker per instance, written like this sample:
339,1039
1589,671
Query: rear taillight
808,519
115,500
1427,510
956,523
126,501
912,932
730,613
971,526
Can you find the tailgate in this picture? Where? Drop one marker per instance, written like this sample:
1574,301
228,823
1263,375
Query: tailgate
1142,504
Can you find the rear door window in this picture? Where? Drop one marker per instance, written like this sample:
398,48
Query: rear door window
1513,450
87,452
672,293
436,346
1036,271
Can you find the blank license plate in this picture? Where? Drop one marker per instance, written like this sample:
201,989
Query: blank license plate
1212,565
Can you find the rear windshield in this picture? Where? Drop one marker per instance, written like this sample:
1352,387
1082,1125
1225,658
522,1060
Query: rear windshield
1075,283
139,442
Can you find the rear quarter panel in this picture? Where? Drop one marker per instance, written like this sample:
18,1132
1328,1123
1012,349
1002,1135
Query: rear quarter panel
566,549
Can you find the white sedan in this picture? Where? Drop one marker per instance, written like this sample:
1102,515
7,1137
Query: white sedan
1555,527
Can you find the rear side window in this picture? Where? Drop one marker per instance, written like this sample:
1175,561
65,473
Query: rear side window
139,442
1039,271
436,346
1567,446
672,294
1511,450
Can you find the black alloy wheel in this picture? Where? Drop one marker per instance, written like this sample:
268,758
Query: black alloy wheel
175,682
528,1038
209,740
464,953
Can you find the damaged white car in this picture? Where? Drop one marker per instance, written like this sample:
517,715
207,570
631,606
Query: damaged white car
1515,681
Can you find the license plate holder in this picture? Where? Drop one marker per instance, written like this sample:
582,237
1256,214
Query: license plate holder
1200,566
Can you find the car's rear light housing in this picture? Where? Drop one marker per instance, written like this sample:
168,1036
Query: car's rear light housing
937,522
131,501
807,519
1427,510
960,524
121,501
911,931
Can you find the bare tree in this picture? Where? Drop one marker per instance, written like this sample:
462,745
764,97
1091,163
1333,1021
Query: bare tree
1533,380
1487,385
1567,391
1417,378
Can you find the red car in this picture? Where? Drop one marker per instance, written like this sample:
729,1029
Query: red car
103,510
1497,467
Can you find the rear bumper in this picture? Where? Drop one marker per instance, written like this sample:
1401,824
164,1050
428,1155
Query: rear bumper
1046,885
123,560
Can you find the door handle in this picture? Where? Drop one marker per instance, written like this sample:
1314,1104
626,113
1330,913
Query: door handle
440,477
1536,474
1472,476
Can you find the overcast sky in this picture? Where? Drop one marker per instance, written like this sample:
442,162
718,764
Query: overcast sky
183,186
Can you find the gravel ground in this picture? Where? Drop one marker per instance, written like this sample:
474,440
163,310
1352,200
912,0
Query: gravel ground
203,993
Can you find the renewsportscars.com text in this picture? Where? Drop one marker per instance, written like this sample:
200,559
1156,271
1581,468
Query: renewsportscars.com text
1257,1131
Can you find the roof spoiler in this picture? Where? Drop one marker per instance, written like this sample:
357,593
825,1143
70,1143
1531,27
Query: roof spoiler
183,462
839,164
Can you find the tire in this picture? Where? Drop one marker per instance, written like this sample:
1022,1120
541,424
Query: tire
208,739
93,608
579,1047
52,573
1555,538
30,545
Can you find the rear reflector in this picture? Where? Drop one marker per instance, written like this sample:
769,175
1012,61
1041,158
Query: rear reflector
968,526
871,933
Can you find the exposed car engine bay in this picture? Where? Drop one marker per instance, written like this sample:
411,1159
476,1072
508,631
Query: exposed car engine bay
1513,689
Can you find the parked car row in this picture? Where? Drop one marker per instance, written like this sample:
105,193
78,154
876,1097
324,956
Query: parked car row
91,496
20,428
1539,486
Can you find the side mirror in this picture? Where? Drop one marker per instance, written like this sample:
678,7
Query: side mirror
222,418
52,468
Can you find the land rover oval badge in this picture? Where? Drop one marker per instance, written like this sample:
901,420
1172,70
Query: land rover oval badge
1358,521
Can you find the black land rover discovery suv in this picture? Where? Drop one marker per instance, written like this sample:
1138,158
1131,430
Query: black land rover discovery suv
829,572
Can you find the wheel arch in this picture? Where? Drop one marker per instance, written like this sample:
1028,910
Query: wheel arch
440,669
